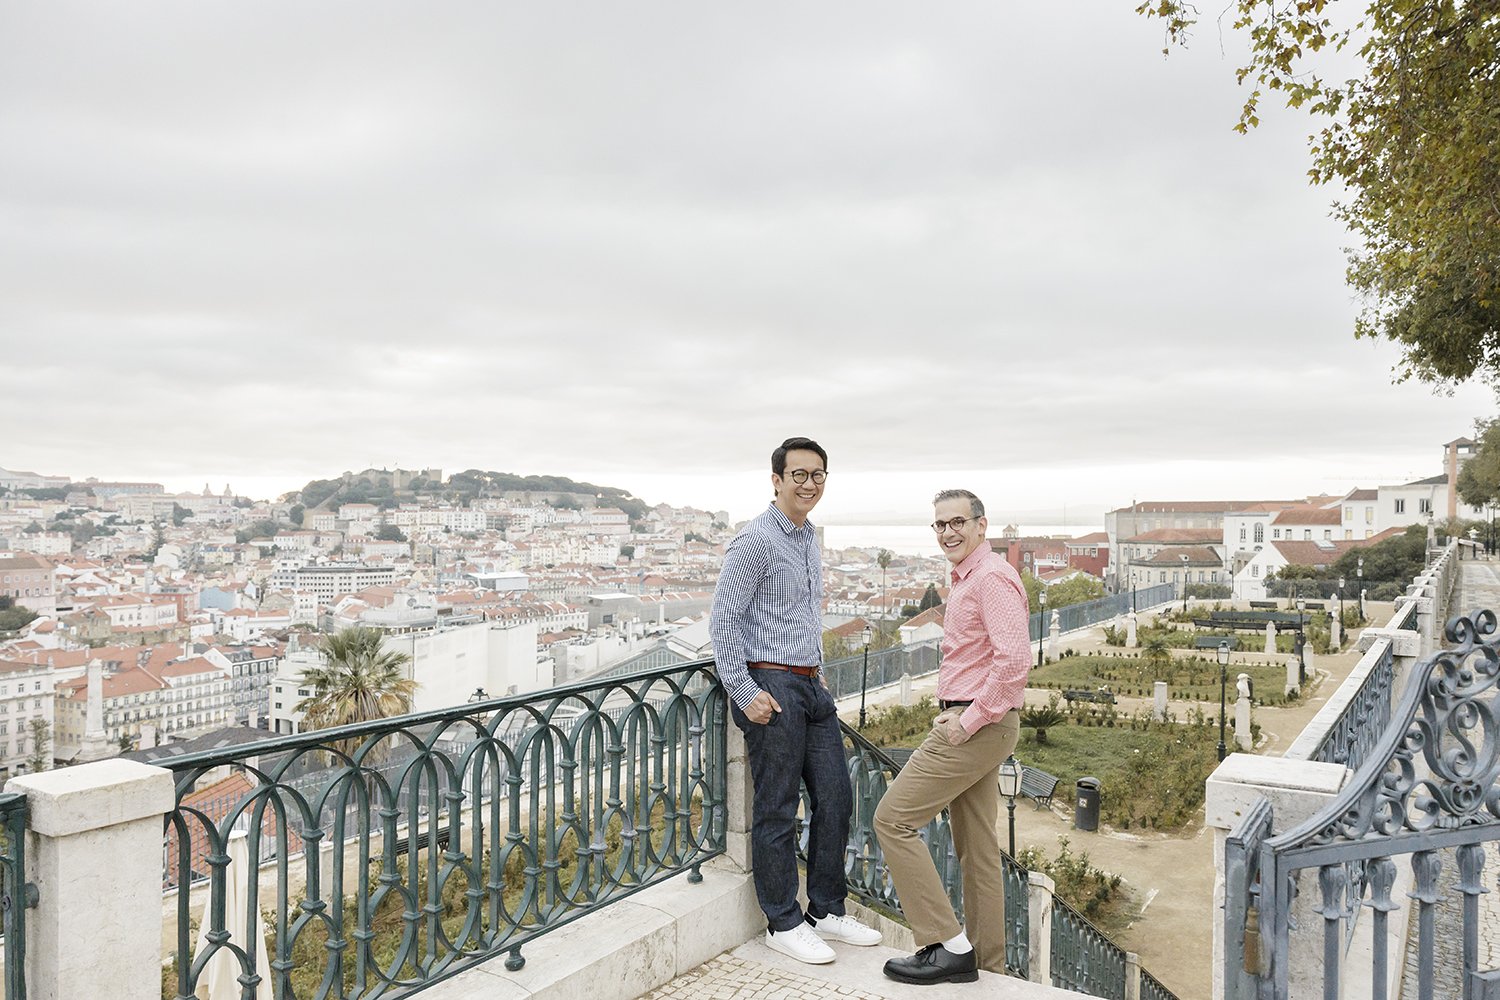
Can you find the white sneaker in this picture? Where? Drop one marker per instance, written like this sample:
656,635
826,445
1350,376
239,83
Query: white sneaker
846,929
800,943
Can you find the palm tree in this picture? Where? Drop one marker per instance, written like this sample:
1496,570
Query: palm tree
358,683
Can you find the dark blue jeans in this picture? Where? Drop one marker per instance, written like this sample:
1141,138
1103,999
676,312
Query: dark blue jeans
800,745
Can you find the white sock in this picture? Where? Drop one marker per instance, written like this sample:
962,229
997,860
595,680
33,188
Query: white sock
959,945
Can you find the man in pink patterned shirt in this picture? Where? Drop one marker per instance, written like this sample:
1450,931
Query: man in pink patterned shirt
986,657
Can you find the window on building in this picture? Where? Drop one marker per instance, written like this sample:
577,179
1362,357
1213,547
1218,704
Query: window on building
1254,570
1348,533
1348,513
1369,515
1401,505
1260,532
1424,506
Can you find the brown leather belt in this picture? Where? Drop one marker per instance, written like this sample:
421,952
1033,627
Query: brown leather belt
954,704
799,671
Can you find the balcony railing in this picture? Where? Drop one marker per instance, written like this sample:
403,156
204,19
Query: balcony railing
16,894
405,850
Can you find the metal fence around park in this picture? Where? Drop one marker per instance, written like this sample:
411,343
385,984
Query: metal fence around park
502,821
1082,615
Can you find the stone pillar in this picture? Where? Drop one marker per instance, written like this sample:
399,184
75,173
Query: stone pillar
95,745
95,840
1132,976
1270,638
1336,631
1052,633
1242,721
1130,640
738,796
1159,704
905,690
1293,674
1039,927
1296,789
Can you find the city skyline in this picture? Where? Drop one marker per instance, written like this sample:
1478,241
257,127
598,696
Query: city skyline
1006,248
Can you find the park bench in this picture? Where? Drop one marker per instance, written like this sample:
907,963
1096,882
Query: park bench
1315,605
1212,641
1101,696
1264,605
404,844
1038,785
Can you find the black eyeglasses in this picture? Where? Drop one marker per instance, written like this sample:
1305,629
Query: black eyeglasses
956,523
802,475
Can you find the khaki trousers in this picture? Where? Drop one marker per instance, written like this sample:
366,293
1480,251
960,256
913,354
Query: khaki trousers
964,779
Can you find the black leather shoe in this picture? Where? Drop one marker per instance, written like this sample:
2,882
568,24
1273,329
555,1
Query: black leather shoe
934,964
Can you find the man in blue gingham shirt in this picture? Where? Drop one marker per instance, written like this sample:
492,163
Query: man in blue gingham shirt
767,630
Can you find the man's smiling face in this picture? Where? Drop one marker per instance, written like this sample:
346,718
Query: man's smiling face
795,499
958,541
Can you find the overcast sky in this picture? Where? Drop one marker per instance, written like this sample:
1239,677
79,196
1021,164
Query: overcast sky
987,243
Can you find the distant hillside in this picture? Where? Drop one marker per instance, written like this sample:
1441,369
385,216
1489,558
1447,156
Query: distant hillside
389,487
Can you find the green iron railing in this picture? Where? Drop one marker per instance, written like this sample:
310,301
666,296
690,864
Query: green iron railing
16,894
400,852
1084,960
871,771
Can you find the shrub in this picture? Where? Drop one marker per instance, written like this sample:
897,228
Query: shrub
1043,717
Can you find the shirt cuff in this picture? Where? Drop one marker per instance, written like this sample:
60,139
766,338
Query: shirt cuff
745,693
974,719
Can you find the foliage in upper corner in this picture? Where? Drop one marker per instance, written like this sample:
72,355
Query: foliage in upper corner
1479,479
1415,140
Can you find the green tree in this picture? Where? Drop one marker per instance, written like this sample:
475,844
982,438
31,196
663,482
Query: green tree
930,598
180,514
1479,479
40,758
15,618
158,539
296,514
358,682
628,551
389,533
1412,137
1043,717
834,647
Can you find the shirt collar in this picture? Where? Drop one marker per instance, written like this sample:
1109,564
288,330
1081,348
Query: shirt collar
785,522
971,562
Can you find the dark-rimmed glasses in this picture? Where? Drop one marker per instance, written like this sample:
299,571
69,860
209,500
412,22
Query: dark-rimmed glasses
800,476
956,523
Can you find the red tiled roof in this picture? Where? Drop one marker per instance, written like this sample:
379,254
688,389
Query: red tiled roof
1308,515
1179,536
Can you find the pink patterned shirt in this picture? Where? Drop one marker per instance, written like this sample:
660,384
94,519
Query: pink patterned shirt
986,639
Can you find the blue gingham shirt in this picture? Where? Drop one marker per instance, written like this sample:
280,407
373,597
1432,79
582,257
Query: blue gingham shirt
768,605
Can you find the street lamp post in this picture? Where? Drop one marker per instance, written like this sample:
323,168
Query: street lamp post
1301,641
1341,602
1010,787
1360,583
1041,626
1184,559
1223,683
864,674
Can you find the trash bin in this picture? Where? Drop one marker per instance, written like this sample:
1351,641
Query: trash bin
1086,805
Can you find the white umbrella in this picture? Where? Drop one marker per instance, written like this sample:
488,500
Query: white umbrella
220,979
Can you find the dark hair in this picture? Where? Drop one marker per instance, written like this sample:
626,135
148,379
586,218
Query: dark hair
976,505
778,457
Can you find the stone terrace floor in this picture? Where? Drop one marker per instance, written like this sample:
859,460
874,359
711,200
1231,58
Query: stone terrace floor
755,972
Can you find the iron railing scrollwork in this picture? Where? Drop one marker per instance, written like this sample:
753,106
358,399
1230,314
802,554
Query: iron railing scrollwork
1430,784
402,851
16,894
